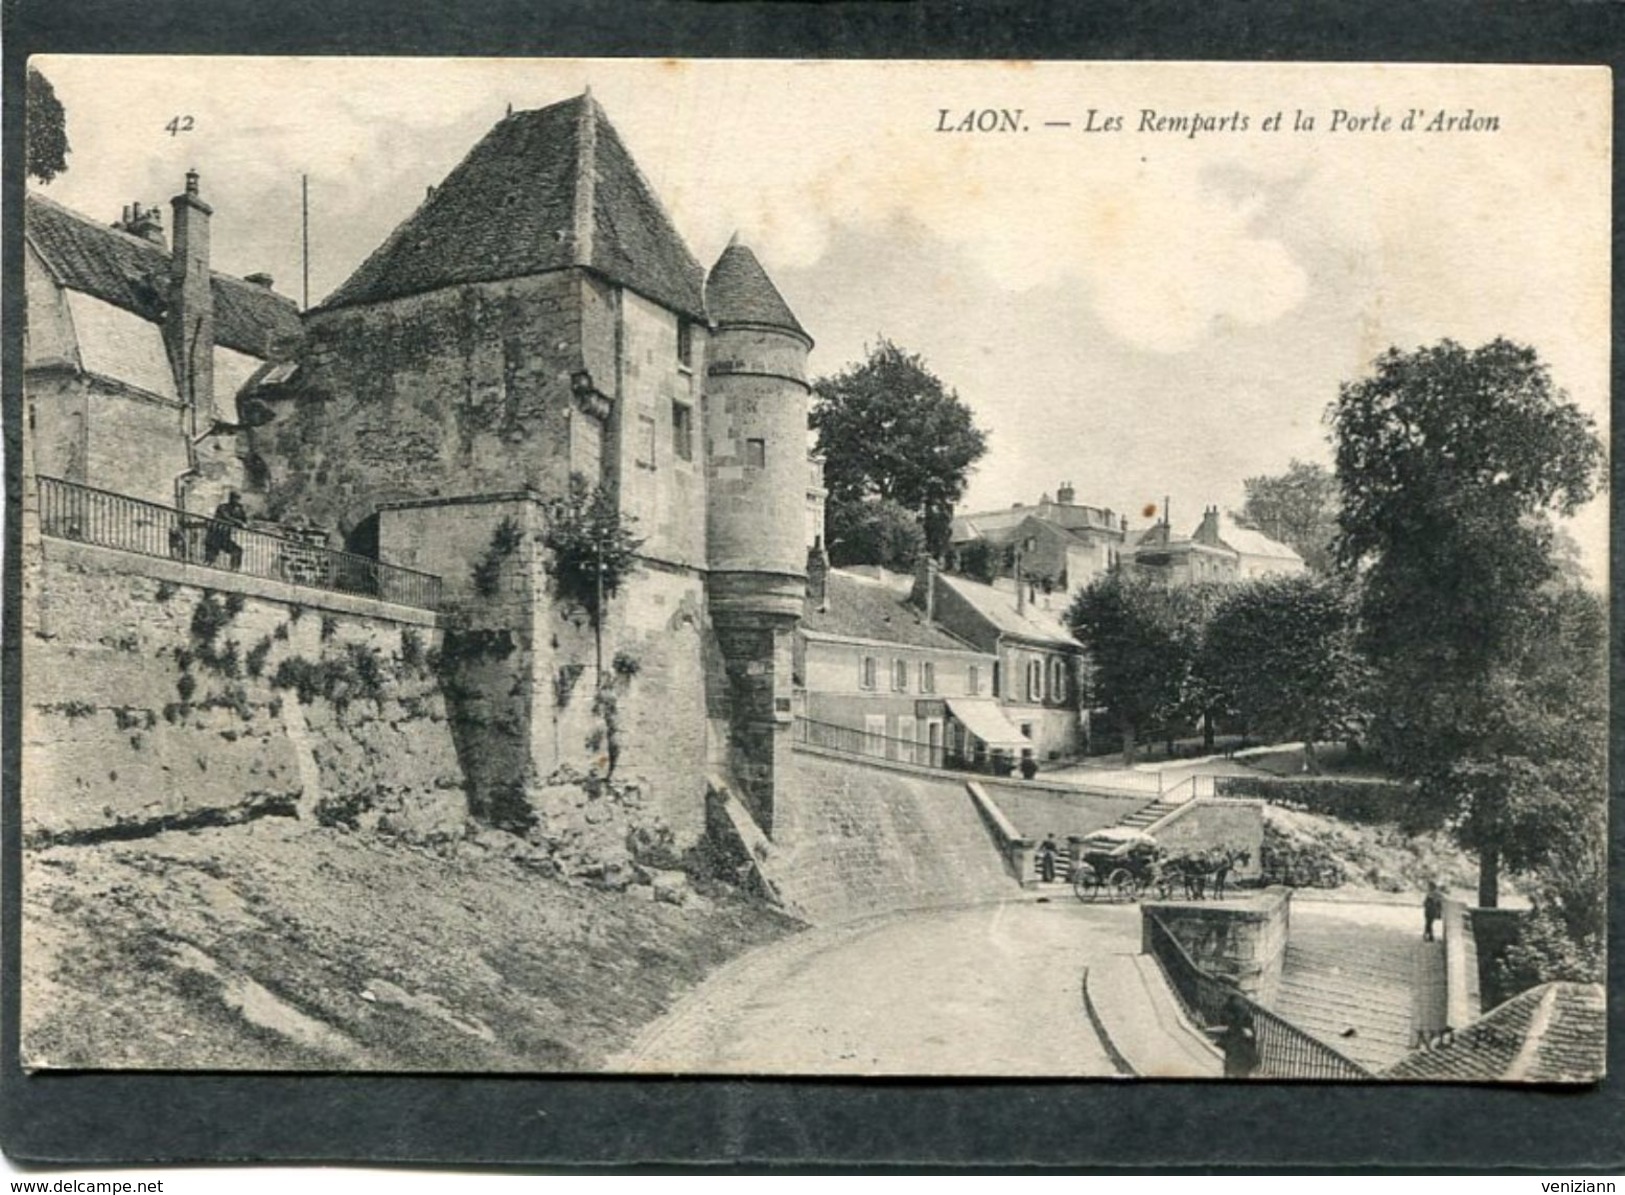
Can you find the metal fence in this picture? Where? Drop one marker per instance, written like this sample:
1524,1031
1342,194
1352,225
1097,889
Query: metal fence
79,512
853,740
1284,1050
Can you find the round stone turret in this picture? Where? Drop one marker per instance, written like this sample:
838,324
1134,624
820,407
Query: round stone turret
757,414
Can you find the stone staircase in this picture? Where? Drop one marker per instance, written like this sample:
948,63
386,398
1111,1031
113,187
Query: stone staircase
1363,990
1149,814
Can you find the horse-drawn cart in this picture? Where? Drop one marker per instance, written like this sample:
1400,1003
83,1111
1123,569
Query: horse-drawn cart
1120,864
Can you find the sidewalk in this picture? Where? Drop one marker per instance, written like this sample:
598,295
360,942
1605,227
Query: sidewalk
1142,1024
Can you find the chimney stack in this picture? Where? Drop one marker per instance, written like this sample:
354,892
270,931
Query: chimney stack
1065,494
1208,532
190,323
818,575
924,594
144,222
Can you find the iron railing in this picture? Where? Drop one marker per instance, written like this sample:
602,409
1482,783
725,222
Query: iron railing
1284,1051
79,512
854,740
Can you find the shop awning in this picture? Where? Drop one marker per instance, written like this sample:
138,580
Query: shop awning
984,718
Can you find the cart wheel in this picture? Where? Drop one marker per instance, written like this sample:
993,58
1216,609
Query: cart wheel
1083,882
1122,884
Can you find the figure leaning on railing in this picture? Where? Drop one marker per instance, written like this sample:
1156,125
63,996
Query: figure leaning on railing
229,516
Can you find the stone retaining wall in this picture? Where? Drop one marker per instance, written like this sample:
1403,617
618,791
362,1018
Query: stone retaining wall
1240,940
852,840
157,693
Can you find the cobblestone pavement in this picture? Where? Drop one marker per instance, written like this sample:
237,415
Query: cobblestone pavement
986,990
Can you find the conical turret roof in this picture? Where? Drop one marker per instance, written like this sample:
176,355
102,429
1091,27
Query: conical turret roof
740,292
544,190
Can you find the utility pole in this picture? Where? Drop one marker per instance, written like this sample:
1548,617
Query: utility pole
304,207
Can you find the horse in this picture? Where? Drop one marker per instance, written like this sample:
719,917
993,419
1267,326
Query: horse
1221,875
1209,868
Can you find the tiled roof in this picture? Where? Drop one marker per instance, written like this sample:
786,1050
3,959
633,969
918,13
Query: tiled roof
740,292
518,204
859,608
133,274
1555,1033
999,609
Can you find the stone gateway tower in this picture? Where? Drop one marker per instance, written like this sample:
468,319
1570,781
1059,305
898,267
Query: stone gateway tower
539,318
756,386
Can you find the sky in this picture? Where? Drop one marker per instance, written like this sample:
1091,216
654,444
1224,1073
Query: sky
1148,311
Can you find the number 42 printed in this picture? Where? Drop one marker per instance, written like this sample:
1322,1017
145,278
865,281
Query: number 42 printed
178,125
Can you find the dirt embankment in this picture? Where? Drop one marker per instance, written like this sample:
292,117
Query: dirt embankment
283,944
1361,858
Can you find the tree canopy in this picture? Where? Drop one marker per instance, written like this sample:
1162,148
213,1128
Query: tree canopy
1297,508
874,532
46,129
889,429
1450,464
1281,650
1142,640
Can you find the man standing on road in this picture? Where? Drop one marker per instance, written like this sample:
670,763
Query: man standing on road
1432,910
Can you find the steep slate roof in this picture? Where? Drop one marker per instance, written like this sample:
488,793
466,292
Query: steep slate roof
999,609
1254,543
740,292
863,609
544,190
128,272
1555,1033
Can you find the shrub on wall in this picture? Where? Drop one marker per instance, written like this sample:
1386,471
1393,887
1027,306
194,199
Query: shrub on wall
1370,802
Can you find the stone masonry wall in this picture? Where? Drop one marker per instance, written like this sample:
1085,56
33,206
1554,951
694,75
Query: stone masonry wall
1243,941
1205,823
852,840
521,670
459,391
162,693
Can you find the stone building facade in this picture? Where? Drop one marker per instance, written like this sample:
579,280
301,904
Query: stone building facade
138,358
539,318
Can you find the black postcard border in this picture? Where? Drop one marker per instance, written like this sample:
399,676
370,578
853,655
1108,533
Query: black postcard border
561,1124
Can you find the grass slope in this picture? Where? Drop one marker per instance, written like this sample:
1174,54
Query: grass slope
285,945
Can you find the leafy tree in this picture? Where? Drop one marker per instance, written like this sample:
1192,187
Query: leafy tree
592,551
874,532
1141,647
1282,651
1450,464
46,129
980,561
1297,508
889,429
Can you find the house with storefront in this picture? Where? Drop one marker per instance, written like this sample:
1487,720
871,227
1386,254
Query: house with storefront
878,677
1036,665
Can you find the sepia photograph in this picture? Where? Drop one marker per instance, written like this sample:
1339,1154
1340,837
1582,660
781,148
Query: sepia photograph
1064,570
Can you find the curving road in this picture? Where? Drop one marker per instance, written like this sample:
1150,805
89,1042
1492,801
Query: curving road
987,990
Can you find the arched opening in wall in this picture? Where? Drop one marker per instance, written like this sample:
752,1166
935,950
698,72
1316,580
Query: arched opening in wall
358,568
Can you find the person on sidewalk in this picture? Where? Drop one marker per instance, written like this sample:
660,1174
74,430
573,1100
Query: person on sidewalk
1432,910
1029,765
1046,858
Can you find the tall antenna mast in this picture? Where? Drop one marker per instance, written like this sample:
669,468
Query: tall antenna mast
304,204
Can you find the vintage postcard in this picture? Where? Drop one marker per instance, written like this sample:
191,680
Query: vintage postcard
815,568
